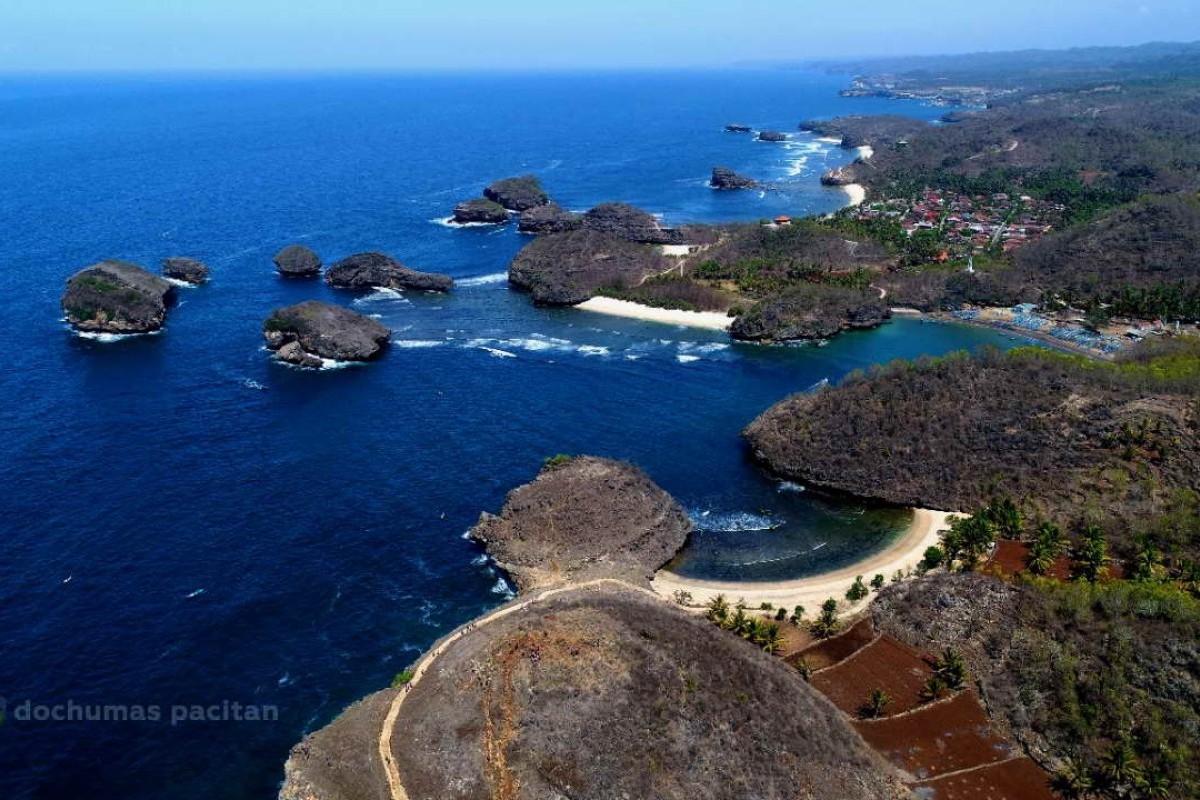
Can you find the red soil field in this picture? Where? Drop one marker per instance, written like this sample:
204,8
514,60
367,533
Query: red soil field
1012,558
831,651
1018,778
885,664
943,737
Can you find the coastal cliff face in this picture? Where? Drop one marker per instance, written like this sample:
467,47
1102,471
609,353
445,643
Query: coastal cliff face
630,223
116,297
550,218
593,689
565,269
589,517
379,271
304,334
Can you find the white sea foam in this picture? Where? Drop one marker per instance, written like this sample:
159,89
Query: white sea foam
502,588
736,521
480,560
329,364
196,593
253,384
109,338
686,359
483,280
790,486
497,352
379,294
448,222
181,284
418,344
593,350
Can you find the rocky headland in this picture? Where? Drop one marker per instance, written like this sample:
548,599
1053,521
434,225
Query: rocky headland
550,218
307,333
380,271
811,311
565,269
628,222
593,688
187,270
724,179
116,297
298,261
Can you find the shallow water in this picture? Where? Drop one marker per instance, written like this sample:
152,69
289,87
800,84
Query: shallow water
186,522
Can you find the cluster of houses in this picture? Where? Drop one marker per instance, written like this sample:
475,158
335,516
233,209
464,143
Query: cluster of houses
970,224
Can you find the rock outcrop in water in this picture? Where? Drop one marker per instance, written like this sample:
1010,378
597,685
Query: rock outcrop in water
724,179
306,333
116,297
630,223
480,212
298,261
593,689
738,129
380,271
565,269
586,518
812,311
550,218
772,136
518,194
188,270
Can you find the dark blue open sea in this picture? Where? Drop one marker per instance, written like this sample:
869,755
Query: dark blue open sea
184,522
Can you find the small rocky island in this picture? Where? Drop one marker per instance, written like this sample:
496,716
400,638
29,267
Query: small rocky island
772,136
726,180
380,271
518,194
735,128
307,333
557,694
480,211
565,269
187,270
628,222
116,297
298,261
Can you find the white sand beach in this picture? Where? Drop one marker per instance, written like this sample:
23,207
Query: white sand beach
857,192
902,556
623,308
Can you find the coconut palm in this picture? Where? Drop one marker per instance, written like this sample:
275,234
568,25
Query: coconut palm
952,669
934,689
1074,780
876,705
718,609
1121,770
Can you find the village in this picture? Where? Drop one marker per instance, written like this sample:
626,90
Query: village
969,224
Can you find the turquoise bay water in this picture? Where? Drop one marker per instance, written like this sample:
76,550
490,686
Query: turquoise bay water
184,522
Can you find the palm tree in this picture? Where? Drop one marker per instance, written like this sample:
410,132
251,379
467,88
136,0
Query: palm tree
1041,559
1007,518
1121,769
952,669
827,622
1092,558
773,641
718,609
736,621
877,703
934,689
1147,562
1073,781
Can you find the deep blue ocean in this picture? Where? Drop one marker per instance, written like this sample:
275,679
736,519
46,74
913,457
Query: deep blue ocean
183,521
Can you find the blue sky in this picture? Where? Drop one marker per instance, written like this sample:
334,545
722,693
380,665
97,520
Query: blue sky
402,34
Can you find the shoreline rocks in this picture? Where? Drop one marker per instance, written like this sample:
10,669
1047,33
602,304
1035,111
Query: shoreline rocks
480,212
726,180
298,261
811,312
517,194
380,271
772,136
307,333
188,270
116,297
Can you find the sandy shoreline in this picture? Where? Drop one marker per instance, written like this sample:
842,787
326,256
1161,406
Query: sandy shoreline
624,308
902,555
857,192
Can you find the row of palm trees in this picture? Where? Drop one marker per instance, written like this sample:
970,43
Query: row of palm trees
1119,774
766,634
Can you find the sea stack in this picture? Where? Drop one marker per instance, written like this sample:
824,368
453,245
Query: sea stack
298,261
188,270
726,180
517,194
772,136
309,332
480,212
630,223
565,269
116,297
733,128
550,218
380,271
